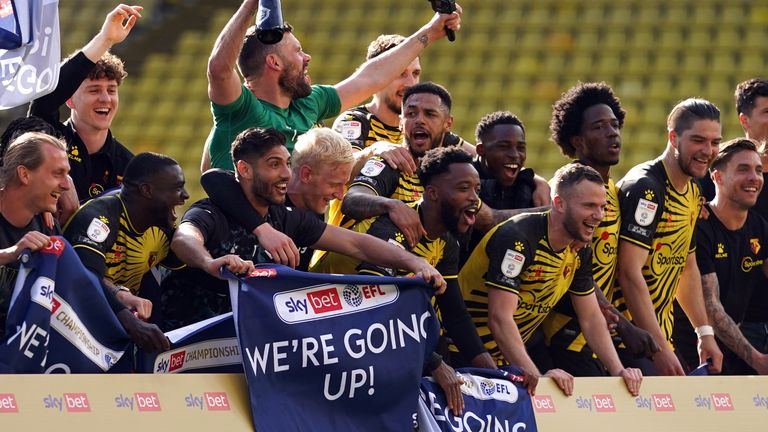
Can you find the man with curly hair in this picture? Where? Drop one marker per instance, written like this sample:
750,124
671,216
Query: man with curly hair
586,125
88,84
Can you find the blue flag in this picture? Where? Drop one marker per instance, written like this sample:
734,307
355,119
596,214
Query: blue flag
30,50
208,346
494,400
332,352
58,319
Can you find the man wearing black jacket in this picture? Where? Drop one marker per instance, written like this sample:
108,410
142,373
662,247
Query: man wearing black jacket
88,84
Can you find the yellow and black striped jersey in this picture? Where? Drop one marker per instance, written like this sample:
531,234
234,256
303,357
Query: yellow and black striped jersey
605,244
516,256
362,128
384,181
105,239
655,216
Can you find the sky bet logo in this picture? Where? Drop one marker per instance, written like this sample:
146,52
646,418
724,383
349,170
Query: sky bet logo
140,402
212,401
72,402
716,401
660,402
325,301
599,403
8,403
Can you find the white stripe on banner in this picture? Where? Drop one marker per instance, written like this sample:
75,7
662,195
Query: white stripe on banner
66,322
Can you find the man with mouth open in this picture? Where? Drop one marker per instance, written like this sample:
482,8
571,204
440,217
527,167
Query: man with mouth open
447,209
32,178
586,125
660,202
321,164
277,91
732,257
209,238
526,264
88,83
122,237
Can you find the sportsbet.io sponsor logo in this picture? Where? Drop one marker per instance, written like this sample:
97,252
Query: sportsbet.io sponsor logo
324,301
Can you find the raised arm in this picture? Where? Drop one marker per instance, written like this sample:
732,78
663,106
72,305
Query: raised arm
117,26
376,73
224,85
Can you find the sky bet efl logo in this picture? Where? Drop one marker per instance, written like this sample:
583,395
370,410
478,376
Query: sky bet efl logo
325,301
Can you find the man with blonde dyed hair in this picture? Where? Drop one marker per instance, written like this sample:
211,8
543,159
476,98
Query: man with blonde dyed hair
32,177
321,164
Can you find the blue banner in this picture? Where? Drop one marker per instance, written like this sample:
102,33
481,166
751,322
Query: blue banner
494,400
208,346
332,352
30,50
58,319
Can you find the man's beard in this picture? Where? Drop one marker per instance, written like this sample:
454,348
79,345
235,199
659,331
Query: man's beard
449,218
263,190
294,84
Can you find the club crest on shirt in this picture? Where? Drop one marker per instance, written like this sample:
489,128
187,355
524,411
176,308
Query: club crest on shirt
754,244
373,168
97,230
512,264
351,129
645,211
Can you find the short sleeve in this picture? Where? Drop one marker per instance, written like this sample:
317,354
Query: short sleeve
583,283
506,264
641,208
208,219
383,228
378,176
301,225
92,235
353,126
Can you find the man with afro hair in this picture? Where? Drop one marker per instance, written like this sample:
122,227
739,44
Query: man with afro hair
586,125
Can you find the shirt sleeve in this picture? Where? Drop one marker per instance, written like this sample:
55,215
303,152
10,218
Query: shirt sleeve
92,235
304,227
326,100
208,220
583,283
505,264
641,208
378,176
704,245
354,127
457,321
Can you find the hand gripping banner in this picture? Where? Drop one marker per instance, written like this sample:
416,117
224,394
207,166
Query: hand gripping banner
58,319
494,400
332,352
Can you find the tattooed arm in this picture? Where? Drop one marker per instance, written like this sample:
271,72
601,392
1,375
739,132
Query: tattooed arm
726,329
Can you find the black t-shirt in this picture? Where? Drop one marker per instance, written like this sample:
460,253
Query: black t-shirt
757,308
9,236
190,294
94,173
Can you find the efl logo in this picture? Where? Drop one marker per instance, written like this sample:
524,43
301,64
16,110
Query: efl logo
267,273
147,402
543,404
177,361
216,401
663,402
326,300
722,402
8,403
603,403
77,402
